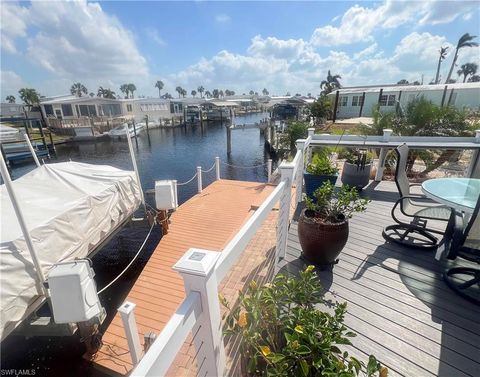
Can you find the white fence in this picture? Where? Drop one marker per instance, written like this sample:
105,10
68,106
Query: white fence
202,271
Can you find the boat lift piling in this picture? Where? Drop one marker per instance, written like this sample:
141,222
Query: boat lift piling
34,155
21,220
134,163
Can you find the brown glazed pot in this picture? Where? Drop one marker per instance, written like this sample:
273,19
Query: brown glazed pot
321,243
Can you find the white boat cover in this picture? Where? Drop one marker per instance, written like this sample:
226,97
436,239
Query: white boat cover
69,208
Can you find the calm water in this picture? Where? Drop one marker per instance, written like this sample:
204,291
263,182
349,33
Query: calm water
161,154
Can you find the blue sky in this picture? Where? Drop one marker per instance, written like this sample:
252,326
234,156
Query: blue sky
283,46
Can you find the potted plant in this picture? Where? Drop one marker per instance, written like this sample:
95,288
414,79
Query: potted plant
323,224
357,167
283,333
319,170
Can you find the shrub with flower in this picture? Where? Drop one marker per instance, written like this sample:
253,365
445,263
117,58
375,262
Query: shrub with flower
284,334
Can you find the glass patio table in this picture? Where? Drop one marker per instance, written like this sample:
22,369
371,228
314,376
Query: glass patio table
458,193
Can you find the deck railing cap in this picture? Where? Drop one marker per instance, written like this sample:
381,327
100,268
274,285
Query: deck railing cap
198,262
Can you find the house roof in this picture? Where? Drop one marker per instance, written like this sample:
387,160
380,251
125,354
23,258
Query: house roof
406,88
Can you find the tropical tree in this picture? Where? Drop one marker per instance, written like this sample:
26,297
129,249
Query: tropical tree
474,78
208,94
105,93
451,81
92,94
221,94
167,96
159,85
265,92
131,89
10,99
215,93
179,90
193,93
403,82
29,96
416,82
442,56
331,83
201,90
124,89
467,69
251,92
466,40
78,89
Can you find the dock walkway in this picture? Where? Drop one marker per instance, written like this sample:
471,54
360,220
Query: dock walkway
208,220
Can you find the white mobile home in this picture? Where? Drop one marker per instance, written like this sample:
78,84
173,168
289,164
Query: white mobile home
360,101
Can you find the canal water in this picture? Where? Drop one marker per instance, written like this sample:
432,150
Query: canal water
161,154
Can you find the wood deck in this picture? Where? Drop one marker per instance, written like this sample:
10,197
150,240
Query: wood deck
398,303
208,220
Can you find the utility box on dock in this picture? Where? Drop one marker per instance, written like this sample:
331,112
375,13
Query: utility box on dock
166,195
73,292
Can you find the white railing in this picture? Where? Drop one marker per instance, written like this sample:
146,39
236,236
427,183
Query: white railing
386,142
202,271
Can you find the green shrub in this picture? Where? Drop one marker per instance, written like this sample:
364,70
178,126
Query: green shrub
284,334
356,156
296,130
321,165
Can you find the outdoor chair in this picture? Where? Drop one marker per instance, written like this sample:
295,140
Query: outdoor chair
416,206
464,242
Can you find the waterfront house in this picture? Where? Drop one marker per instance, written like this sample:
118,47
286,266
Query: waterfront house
360,101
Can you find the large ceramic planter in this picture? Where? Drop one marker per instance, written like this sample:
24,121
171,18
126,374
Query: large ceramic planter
321,243
312,182
356,176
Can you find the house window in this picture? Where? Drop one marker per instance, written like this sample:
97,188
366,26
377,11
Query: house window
343,101
357,101
67,110
92,110
111,109
129,108
391,100
48,109
383,100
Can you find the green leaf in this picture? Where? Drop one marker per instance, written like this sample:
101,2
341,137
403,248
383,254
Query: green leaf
275,357
372,365
252,364
350,334
304,367
356,364
335,349
303,350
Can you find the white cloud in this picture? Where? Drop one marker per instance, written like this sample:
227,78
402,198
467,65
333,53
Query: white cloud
222,18
12,25
277,48
10,82
366,52
155,37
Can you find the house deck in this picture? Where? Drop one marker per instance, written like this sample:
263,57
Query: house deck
398,304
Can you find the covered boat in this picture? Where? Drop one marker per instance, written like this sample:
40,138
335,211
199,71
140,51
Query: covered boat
69,208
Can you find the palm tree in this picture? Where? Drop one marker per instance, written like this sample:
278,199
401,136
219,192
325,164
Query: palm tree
184,93
132,88
167,96
124,89
193,93
92,94
251,92
179,90
200,90
467,69
78,89
402,82
208,94
221,94
10,99
443,55
159,85
474,78
215,93
265,92
29,96
464,41
105,93
330,84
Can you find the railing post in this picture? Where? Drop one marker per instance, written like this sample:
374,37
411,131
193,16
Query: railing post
311,132
286,171
473,170
269,170
383,154
199,179
130,326
299,177
197,268
217,167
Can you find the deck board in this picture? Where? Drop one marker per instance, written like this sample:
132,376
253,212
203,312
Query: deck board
208,220
398,303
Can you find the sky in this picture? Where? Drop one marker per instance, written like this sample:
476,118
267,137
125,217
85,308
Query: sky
283,46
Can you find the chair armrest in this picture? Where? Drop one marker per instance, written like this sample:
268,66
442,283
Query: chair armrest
455,228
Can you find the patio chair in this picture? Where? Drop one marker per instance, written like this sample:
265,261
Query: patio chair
414,233
464,243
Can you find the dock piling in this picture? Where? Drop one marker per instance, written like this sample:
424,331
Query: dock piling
217,168
199,179
269,170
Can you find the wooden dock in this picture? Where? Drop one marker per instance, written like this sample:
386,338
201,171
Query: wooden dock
208,220
398,303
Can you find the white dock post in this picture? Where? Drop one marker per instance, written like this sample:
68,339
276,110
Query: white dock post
130,326
217,168
299,178
197,268
175,193
32,151
286,171
383,154
21,220
199,179
269,170
134,163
